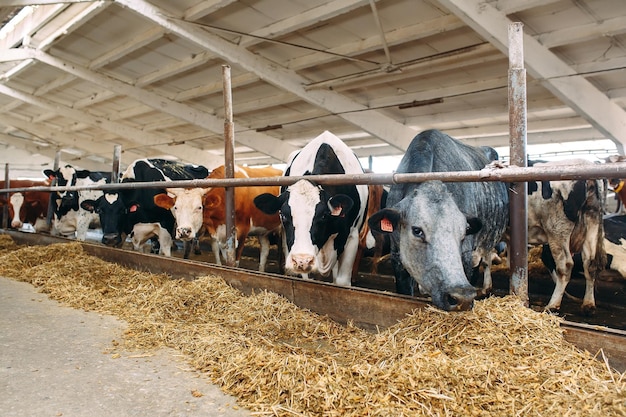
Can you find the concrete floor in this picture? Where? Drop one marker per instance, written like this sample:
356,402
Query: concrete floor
58,361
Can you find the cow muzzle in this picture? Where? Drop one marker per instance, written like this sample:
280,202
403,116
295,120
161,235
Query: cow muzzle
111,239
184,233
17,224
302,263
457,299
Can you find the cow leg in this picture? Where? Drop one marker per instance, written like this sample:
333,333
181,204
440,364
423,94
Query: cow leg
187,248
264,242
82,226
166,241
592,264
196,246
562,274
343,275
215,247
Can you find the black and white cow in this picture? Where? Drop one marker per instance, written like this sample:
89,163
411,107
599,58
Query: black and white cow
440,230
321,223
614,243
69,217
133,211
567,215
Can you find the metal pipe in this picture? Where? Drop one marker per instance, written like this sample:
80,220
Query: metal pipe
518,200
115,168
229,167
5,207
505,174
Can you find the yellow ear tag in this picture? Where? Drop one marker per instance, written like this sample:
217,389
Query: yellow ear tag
385,225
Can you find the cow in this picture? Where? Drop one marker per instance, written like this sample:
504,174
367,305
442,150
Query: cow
614,244
27,206
567,215
375,245
321,223
439,230
202,209
129,210
69,217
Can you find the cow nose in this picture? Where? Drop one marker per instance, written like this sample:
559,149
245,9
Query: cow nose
303,263
460,299
183,233
16,224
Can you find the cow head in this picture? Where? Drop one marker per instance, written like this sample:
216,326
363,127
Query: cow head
65,201
187,207
312,220
427,231
112,211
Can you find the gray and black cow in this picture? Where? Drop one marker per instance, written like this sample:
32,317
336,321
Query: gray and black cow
567,215
133,211
439,231
321,223
69,216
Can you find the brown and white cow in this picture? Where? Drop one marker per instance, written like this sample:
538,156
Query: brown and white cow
27,206
201,209
567,215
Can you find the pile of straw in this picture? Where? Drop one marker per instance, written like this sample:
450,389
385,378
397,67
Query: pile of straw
500,359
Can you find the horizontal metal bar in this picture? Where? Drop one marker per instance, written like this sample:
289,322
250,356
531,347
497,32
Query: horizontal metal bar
506,174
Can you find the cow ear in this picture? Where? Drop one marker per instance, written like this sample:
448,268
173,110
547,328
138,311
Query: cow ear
473,225
268,203
384,221
339,205
212,201
164,201
546,190
50,174
89,205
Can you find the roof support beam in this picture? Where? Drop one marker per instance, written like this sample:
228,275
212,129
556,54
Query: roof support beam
373,122
261,142
142,137
543,65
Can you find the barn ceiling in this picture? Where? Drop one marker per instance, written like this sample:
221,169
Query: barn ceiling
78,78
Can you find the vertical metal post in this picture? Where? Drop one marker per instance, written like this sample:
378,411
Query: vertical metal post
518,251
115,169
57,162
5,207
229,167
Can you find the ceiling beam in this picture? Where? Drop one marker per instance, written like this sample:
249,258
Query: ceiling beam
259,141
139,136
543,65
377,124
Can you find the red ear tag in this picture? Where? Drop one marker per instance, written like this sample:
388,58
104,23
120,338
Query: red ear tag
133,208
385,225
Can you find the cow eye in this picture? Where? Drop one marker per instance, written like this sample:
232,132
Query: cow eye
418,232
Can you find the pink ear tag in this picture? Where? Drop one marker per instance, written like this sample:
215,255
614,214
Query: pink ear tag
336,211
133,208
385,225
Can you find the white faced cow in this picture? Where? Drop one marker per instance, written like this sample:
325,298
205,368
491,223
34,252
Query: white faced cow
321,222
438,229
200,209
133,210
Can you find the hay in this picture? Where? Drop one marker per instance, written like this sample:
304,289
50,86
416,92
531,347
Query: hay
499,359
